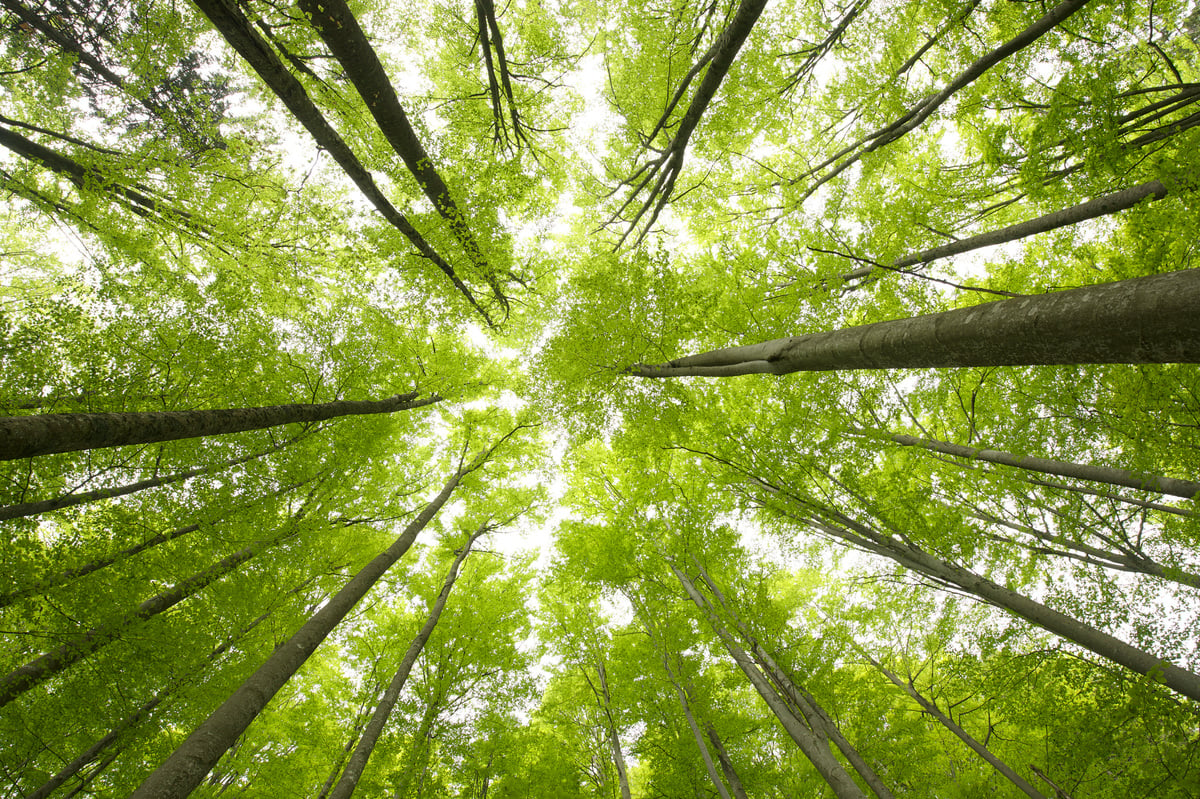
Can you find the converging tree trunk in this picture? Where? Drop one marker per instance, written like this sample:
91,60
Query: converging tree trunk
24,509
366,744
840,527
1141,320
812,742
33,673
45,434
232,24
186,768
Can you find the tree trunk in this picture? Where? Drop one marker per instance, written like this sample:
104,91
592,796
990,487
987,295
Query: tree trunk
135,718
731,776
237,31
614,739
33,673
812,743
1106,646
1077,471
45,434
25,509
346,40
186,767
67,575
366,744
797,697
705,755
1142,320
964,736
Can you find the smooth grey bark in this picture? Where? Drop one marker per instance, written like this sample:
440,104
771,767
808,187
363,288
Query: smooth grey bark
697,736
1141,503
814,745
25,509
187,766
1078,471
232,24
1151,319
964,736
1092,209
840,527
797,697
67,575
366,744
41,668
731,775
46,434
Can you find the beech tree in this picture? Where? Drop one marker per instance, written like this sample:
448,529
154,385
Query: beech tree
940,538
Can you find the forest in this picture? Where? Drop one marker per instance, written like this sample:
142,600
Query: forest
678,399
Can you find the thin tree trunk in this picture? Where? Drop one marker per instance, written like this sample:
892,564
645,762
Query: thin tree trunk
229,21
812,743
1142,320
346,40
964,736
45,434
62,578
839,526
25,509
185,769
1077,471
731,776
1092,209
705,755
366,744
614,739
33,673
800,699
1141,503
135,718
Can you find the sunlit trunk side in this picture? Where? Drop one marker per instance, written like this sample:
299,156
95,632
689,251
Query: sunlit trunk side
1150,319
366,744
184,770
46,434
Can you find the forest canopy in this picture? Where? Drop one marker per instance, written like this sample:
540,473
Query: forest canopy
600,399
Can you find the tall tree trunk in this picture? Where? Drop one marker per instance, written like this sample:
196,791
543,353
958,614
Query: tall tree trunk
45,434
25,509
1077,471
229,21
196,756
144,710
964,736
346,40
366,744
1142,320
33,673
799,699
813,743
614,739
731,775
68,575
841,527
705,755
